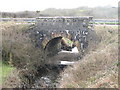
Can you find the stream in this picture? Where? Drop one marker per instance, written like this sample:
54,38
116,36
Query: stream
49,78
49,75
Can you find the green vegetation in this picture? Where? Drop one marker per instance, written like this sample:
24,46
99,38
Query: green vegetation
19,51
5,70
96,69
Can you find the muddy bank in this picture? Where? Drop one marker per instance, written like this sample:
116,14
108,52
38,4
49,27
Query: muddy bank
47,77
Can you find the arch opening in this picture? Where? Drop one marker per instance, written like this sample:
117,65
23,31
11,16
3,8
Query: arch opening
58,44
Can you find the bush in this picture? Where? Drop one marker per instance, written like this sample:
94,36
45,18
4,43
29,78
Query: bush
19,51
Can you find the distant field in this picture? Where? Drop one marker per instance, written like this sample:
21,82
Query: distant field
107,23
33,20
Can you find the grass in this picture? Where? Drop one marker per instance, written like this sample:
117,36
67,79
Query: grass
98,68
5,70
96,65
19,50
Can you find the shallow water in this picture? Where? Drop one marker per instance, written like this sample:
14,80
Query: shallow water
49,77
74,50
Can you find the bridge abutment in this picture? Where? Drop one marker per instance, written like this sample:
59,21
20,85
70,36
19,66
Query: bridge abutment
75,29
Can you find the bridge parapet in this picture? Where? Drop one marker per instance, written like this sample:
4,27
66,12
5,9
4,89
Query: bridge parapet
63,23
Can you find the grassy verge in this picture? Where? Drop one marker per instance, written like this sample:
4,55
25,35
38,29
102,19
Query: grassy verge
5,70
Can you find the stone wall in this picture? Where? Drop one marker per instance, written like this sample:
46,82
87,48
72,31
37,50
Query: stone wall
74,28
63,23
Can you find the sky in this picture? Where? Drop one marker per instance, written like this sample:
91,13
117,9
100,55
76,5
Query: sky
34,5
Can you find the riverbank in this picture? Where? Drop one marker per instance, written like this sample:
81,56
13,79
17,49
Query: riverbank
99,67
98,64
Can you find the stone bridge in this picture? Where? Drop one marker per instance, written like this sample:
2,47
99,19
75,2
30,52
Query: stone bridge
49,31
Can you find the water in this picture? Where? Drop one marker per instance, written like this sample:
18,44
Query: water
74,50
49,74
66,63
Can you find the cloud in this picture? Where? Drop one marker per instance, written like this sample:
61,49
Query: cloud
32,5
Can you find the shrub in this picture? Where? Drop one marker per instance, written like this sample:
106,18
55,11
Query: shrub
19,51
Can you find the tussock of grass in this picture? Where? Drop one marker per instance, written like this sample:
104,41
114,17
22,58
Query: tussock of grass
99,67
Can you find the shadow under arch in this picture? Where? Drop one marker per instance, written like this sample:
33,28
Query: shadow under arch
53,46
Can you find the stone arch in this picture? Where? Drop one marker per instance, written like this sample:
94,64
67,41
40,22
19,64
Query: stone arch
57,44
53,46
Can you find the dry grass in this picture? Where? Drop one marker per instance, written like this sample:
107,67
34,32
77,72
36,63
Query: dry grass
99,67
19,51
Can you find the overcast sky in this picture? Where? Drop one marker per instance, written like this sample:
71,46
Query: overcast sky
33,5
